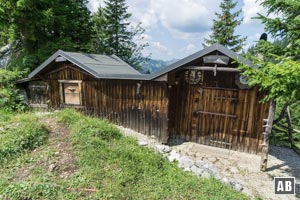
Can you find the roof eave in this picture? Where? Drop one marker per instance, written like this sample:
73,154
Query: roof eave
214,47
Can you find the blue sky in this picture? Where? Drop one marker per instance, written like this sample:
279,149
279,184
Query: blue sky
176,28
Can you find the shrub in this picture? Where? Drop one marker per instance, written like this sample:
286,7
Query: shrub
10,97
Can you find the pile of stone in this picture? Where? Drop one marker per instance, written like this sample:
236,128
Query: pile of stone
200,168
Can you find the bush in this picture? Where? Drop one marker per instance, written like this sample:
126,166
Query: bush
19,134
10,97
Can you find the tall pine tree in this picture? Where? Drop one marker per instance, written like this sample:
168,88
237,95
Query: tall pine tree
224,27
36,29
116,35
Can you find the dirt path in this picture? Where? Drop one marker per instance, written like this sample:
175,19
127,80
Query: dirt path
55,157
59,139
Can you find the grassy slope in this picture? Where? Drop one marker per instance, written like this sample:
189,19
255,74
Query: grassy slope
113,166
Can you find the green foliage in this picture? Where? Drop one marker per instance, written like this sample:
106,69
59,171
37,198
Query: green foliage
37,29
20,134
285,25
10,98
114,34
281,78
277,64
224,27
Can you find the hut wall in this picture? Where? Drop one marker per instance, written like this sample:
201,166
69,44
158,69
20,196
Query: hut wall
139,105
216,113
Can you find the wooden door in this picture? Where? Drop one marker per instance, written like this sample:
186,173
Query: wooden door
203,114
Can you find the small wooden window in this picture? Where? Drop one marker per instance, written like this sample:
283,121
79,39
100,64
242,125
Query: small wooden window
70,92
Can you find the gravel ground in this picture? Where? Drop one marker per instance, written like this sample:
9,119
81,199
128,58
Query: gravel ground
241,170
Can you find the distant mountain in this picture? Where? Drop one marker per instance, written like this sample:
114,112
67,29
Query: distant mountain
153,65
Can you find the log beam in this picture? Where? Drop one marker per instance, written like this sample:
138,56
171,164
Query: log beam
267,134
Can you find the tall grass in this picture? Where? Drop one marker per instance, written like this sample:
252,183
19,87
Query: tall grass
108,166
19,134
120,169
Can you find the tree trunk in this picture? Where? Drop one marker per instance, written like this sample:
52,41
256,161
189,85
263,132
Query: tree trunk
282,113
290,131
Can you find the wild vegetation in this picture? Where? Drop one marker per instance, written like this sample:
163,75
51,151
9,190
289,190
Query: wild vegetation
31,31
104,165
277,68
10,97
19,134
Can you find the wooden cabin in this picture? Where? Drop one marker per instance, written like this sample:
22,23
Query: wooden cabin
201,98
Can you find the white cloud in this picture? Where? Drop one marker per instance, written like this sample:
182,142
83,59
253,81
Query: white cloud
158,50
250,10
189,48
94,4
185,16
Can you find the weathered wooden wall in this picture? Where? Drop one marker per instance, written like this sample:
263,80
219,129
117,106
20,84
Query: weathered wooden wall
145,111
214,112
217,113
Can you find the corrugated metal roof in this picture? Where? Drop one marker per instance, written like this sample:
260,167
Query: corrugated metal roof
112,67
199,54
100,66
103,64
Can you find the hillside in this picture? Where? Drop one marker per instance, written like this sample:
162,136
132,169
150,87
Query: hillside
153,65
70,156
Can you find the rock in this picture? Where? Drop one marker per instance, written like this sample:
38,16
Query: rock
196,170
215,173
152,136
234,170
143,143
208,165
190,153
167,149
213,160
200,163
187,169
173,156
237,186
52,167
159,148
185,162
205,174
163,148
225,181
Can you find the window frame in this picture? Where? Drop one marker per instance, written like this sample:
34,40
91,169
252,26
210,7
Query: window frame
62,92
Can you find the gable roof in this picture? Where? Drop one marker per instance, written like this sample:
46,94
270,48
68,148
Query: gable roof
199,54
112,67
100,66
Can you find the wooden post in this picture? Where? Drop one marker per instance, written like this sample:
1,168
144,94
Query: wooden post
267,134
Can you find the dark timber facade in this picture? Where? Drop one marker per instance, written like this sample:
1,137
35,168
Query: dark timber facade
201,98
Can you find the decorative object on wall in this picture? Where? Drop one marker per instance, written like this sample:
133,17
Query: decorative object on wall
241,81
216,59
193,76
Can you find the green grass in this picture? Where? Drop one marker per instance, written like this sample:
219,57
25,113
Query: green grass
19,134
114,166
